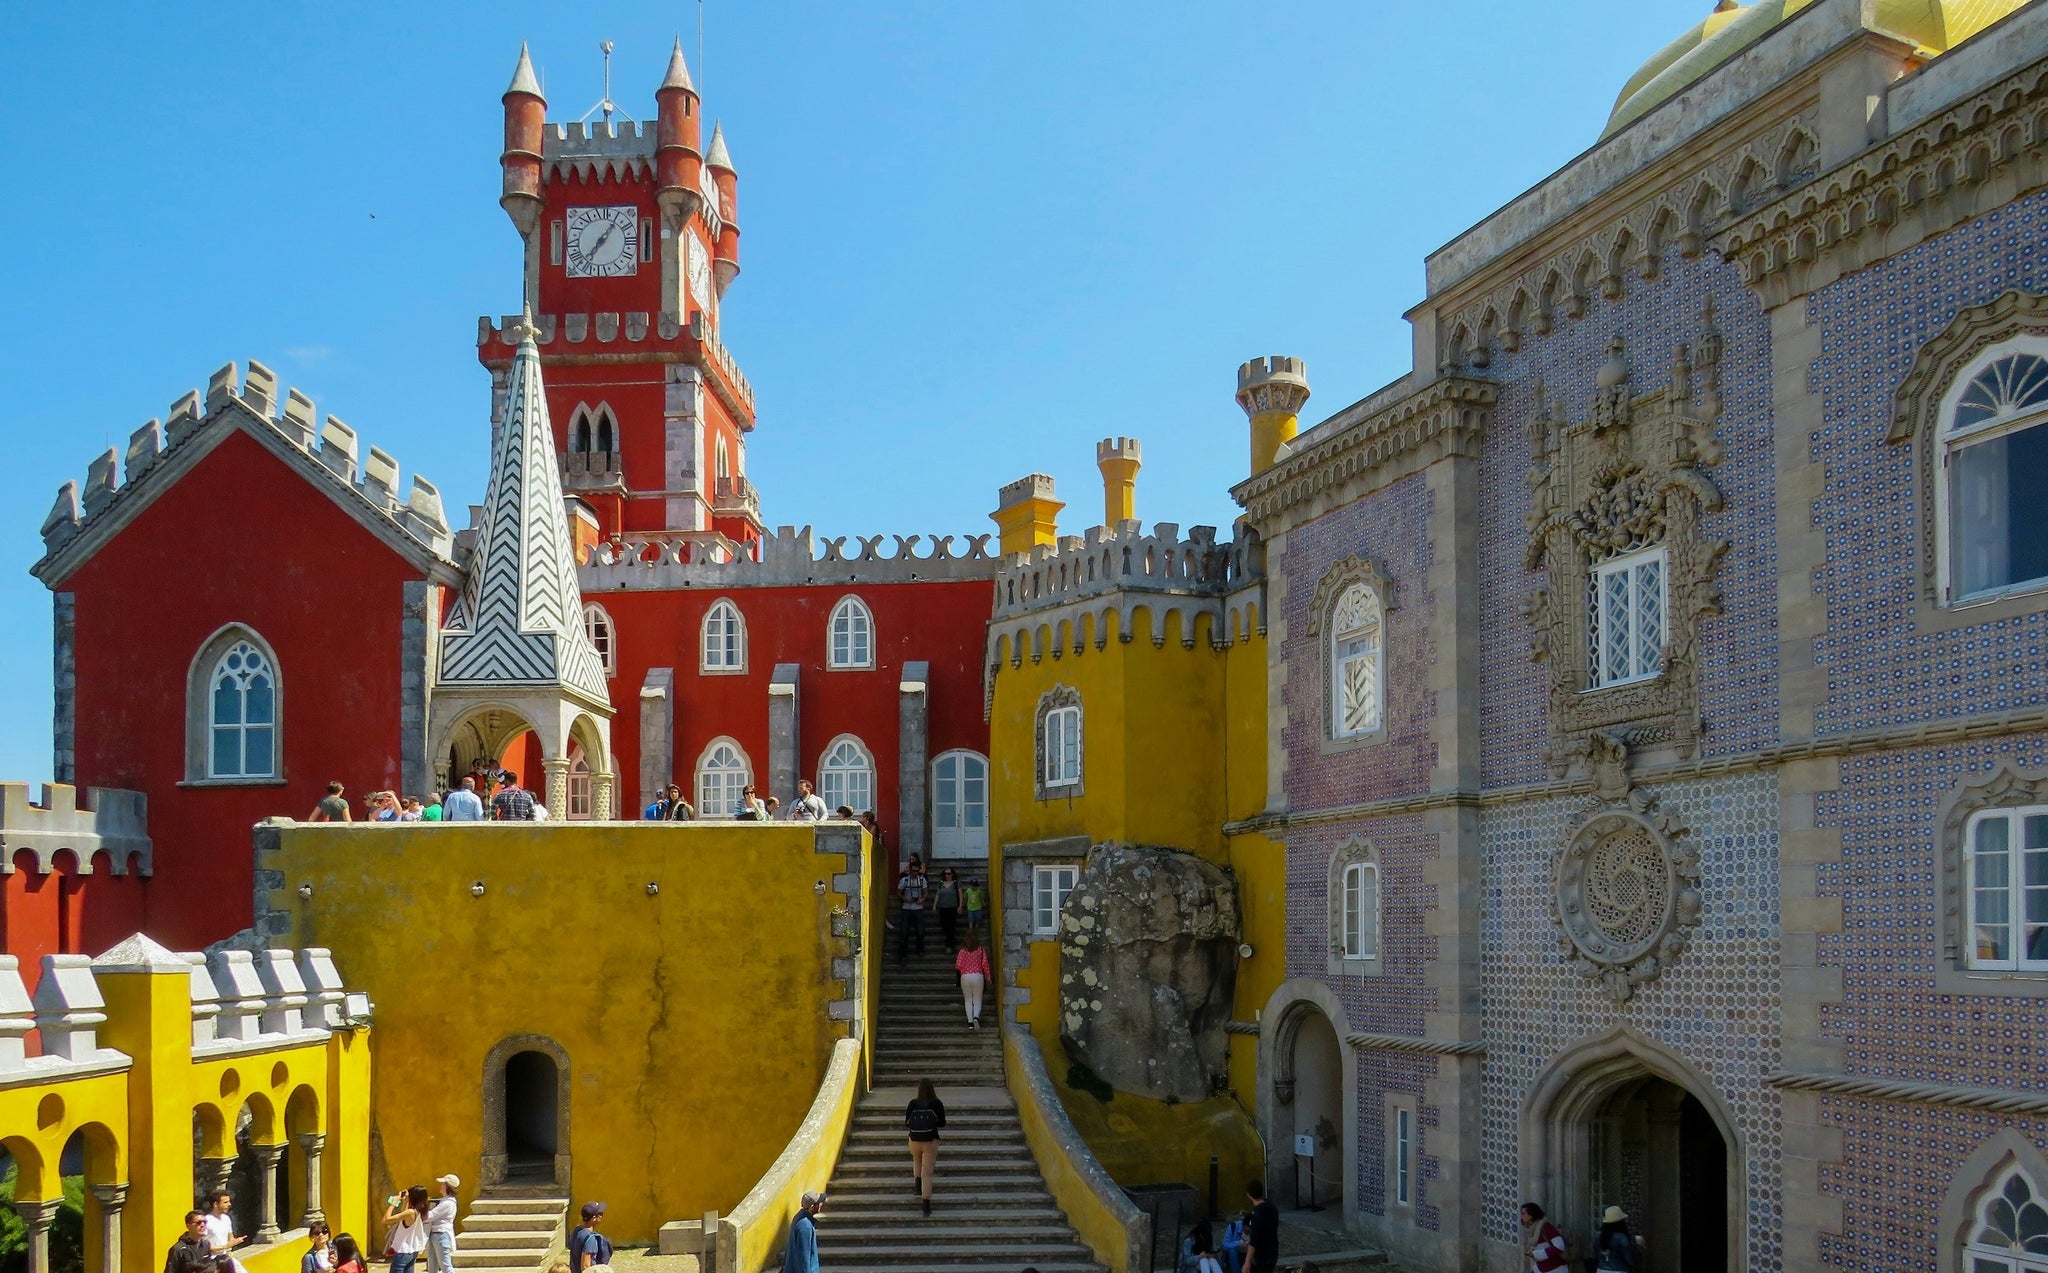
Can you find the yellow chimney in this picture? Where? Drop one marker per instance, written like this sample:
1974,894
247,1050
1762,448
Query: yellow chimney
1118,458
1027,514
1272,391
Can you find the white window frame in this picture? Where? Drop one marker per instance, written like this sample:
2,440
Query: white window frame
245,648
1979,1256
831,790
1062,759
851,618
1359,940
723,805
732,649
603,635
1369,628
1051,885
969,841
1629,564
1951,441
2015,889
1404,1157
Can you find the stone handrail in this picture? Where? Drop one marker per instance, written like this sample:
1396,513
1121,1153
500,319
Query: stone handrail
750,1238
1114,1228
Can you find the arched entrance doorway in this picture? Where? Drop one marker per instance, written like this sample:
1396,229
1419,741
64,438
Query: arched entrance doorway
1309,1112
526,1112
1624,1122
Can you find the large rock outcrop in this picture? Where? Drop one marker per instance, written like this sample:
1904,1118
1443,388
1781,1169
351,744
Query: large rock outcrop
1148,959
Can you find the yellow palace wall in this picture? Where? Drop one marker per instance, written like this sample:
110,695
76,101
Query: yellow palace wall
687,972
1173,747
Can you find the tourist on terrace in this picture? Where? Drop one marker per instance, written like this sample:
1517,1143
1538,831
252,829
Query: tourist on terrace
348,1258
808,807
383,806
801,1255
750,807
333,806
220,1226
972,965
319,1256
406,1214
441,1227
191,1253
513,803
412,810
463,803
947,899
431,811
922,1119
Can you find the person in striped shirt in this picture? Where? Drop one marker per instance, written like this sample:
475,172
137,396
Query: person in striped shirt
1542,1241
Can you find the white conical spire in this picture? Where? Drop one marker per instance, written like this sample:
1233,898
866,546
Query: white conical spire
715,156
523,80
678,70
519,620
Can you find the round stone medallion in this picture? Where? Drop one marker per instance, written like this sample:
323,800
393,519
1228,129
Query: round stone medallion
1624,897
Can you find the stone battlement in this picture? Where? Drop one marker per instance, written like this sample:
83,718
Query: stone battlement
788,557
553,333
111,821
114,483
1118,449
618,151
1123,558
1029,486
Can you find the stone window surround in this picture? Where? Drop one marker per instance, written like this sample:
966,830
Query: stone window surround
1011,922
1355,851
1986,1167
866,615
697,772
199,708
1922,401
492,1093
867,754
1330,590
1398,1103
2006,787
608,654
1039,869
1059,696
704,665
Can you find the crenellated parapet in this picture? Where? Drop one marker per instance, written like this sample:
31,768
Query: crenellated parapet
790,556
616,150
111,822
627,336
1044,596
327,451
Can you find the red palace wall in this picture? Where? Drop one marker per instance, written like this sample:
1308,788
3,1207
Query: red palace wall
239,539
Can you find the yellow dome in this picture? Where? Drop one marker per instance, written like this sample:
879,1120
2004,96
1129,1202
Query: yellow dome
1933,26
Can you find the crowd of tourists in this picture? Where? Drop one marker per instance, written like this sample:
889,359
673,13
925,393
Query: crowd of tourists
483,796
418,1225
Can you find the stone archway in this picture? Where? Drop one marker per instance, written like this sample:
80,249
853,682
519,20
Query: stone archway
1308,1085
1621,1120
526,1111
477,737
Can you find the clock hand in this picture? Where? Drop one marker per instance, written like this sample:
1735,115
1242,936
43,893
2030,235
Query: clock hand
602,239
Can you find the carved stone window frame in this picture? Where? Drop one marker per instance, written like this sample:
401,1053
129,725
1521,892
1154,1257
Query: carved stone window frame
1632,474
1337,581
1918,408
1060,695
2002,1153
2004,788
1355,852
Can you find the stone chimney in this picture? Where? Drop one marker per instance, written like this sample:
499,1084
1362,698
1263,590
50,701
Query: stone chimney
1027,514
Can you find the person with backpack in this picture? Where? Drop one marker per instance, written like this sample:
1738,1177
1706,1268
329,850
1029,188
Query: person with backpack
587,1247
1614,1251
922,1119
801,1255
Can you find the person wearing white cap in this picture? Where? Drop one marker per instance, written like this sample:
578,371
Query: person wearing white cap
801,1255
441,1227
1615,1249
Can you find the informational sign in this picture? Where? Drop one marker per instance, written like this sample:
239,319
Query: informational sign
1305,1146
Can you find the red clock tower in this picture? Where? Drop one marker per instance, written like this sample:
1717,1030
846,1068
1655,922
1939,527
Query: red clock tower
630,244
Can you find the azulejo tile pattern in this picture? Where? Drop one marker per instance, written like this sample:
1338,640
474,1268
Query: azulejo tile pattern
1718,1005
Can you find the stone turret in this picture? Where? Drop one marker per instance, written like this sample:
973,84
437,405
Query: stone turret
678,153
1119,459
1272,392
526,114
1027,514
725,262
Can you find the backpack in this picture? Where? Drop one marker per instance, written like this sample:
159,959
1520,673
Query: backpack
653,812
921,1118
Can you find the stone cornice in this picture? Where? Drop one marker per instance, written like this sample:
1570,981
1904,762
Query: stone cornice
1922,734
1980,153
1445,417
1406,1043
1993,1099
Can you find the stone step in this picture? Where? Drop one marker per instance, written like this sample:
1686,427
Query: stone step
957,1266
925,1252
522,1258
993,1217
516,1239
885,1174
951,1151
492,1204
896,1181
522,1223
951,1227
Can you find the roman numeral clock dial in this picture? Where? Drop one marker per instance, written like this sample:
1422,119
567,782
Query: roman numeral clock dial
604,242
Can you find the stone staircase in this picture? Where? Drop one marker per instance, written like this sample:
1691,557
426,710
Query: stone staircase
990,1208
512,1226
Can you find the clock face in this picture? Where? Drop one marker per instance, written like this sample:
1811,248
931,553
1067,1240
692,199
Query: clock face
603,242
700,274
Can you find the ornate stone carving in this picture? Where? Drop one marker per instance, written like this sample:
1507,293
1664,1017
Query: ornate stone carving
1629,476
1627,894
1916,406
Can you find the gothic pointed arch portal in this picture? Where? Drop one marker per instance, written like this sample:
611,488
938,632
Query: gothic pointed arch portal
1622,1121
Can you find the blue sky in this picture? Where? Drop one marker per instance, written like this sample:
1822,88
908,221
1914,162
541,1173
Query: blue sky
977,236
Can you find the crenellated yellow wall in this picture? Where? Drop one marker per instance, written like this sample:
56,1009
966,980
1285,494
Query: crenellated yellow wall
697,1019
1173,748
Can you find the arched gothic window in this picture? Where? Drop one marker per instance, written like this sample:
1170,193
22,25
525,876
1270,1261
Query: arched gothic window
2009,1233
723,773
1354,884
852,635
592,429
243,715
1357,662
1994,464
579,785
846,775
725,638
723,461
597,625
1058,743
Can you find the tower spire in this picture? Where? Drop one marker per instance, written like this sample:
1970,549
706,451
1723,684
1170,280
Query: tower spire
678,70
523,80
716,156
